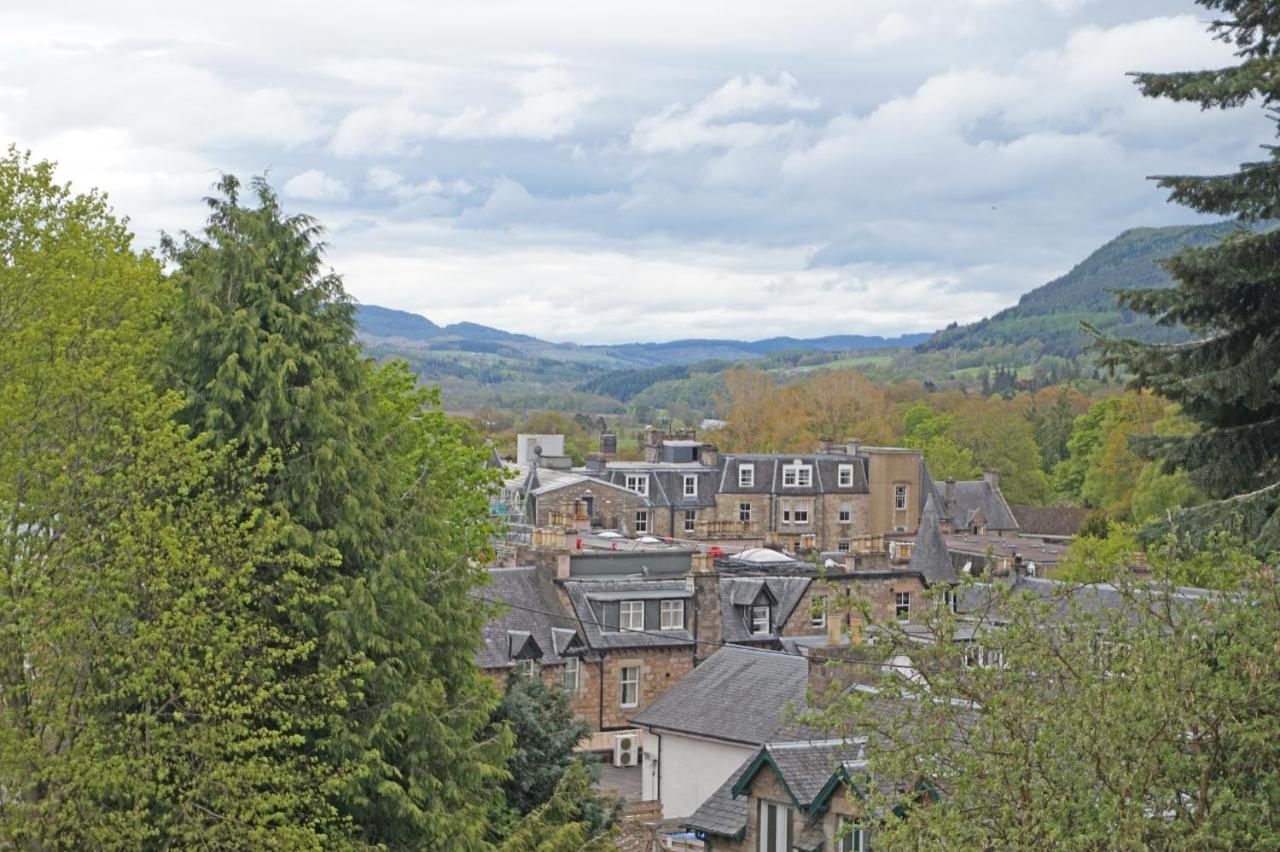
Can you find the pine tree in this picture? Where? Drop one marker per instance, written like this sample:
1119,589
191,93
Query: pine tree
379,490
1226,378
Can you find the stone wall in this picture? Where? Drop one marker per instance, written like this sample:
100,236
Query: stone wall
660,669
612,507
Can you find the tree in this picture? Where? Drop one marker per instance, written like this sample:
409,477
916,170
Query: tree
379,490
558,824
926,430
999,436
842,403
1224,293
748,407
546,733
1152,722
147,697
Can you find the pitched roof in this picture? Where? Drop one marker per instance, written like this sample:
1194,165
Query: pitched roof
535,624
930,558
738,694
767,478
666,482
787,591
974,495
588,598
1048,520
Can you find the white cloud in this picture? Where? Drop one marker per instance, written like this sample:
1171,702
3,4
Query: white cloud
315,185
389,182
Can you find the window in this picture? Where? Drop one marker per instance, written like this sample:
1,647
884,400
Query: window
797,475
801,516
902,605
818,615
786,516
526,668
852,838
980,657
746,475
690,520
690,485
642,521
899,497
744,512
638,483
572,675
846,513
775,827
631,615
949,598
672,615
760,621
844,475
843,545
629,686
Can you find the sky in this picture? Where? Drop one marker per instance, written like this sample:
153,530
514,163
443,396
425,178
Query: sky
604,172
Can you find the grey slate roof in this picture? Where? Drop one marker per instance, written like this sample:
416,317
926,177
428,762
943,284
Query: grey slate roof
508,633
787,591
1048,520
666,482
768,474
588,598
807,766
975,495
1095,599
930,558
738,694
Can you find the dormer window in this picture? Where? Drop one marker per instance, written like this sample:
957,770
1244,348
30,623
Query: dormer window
844,476
746,475
760,622
631,615
639,483
690,485
797,475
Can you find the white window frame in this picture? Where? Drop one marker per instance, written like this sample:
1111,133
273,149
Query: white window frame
690,520
899,498
844,545
744,513
671,615
800,516
853,838
844,476
690,485
642,520
818,612
628,611
786,517
845,515
571,679
632,682
799,474
774,825
527,668
902,606
639,483
746,475
757,618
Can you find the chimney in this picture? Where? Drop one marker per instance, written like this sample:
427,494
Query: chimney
853,445
835,621
949,500
709,455
609,444
991,476
597,462
702,562
827,445
563,563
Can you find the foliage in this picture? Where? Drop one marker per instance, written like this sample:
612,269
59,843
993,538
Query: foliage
379,488
1153,724
1223,379
1096,559
151,695
559,824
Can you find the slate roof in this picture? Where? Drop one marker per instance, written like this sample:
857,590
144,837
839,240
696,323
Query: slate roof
768,474
975,495
666,481
587,596
930,558
545,480
1096,599
1057,521
787,591
738,694
543,620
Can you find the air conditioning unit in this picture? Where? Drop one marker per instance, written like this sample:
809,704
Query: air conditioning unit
626,750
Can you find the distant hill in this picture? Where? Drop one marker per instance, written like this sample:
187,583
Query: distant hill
1046,320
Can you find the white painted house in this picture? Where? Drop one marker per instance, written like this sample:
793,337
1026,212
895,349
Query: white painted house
702,729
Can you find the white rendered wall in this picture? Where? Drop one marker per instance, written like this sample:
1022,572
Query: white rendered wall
691,769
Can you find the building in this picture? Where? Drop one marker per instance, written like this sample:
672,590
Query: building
976,506
706,726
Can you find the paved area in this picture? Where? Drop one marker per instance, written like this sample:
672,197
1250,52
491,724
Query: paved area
623,780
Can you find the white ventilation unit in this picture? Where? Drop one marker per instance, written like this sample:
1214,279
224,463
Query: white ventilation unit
626,750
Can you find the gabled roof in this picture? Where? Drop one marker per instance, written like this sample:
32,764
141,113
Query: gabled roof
810,770
1056,521
974,495
546,480
930,558
738,694
785,591
535,625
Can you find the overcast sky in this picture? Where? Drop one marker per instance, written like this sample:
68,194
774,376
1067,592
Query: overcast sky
601,172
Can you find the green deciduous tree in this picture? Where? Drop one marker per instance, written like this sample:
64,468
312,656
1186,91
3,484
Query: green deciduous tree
147,697
1225,294
383,494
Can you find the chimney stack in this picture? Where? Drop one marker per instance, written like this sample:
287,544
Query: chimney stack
991,476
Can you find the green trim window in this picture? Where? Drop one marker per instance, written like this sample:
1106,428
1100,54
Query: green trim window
851,837
775,827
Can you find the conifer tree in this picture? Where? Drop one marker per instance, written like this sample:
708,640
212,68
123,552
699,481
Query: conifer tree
379,490
1227,294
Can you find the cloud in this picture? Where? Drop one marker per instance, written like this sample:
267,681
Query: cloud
387,181
315,185
711,121
548,106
